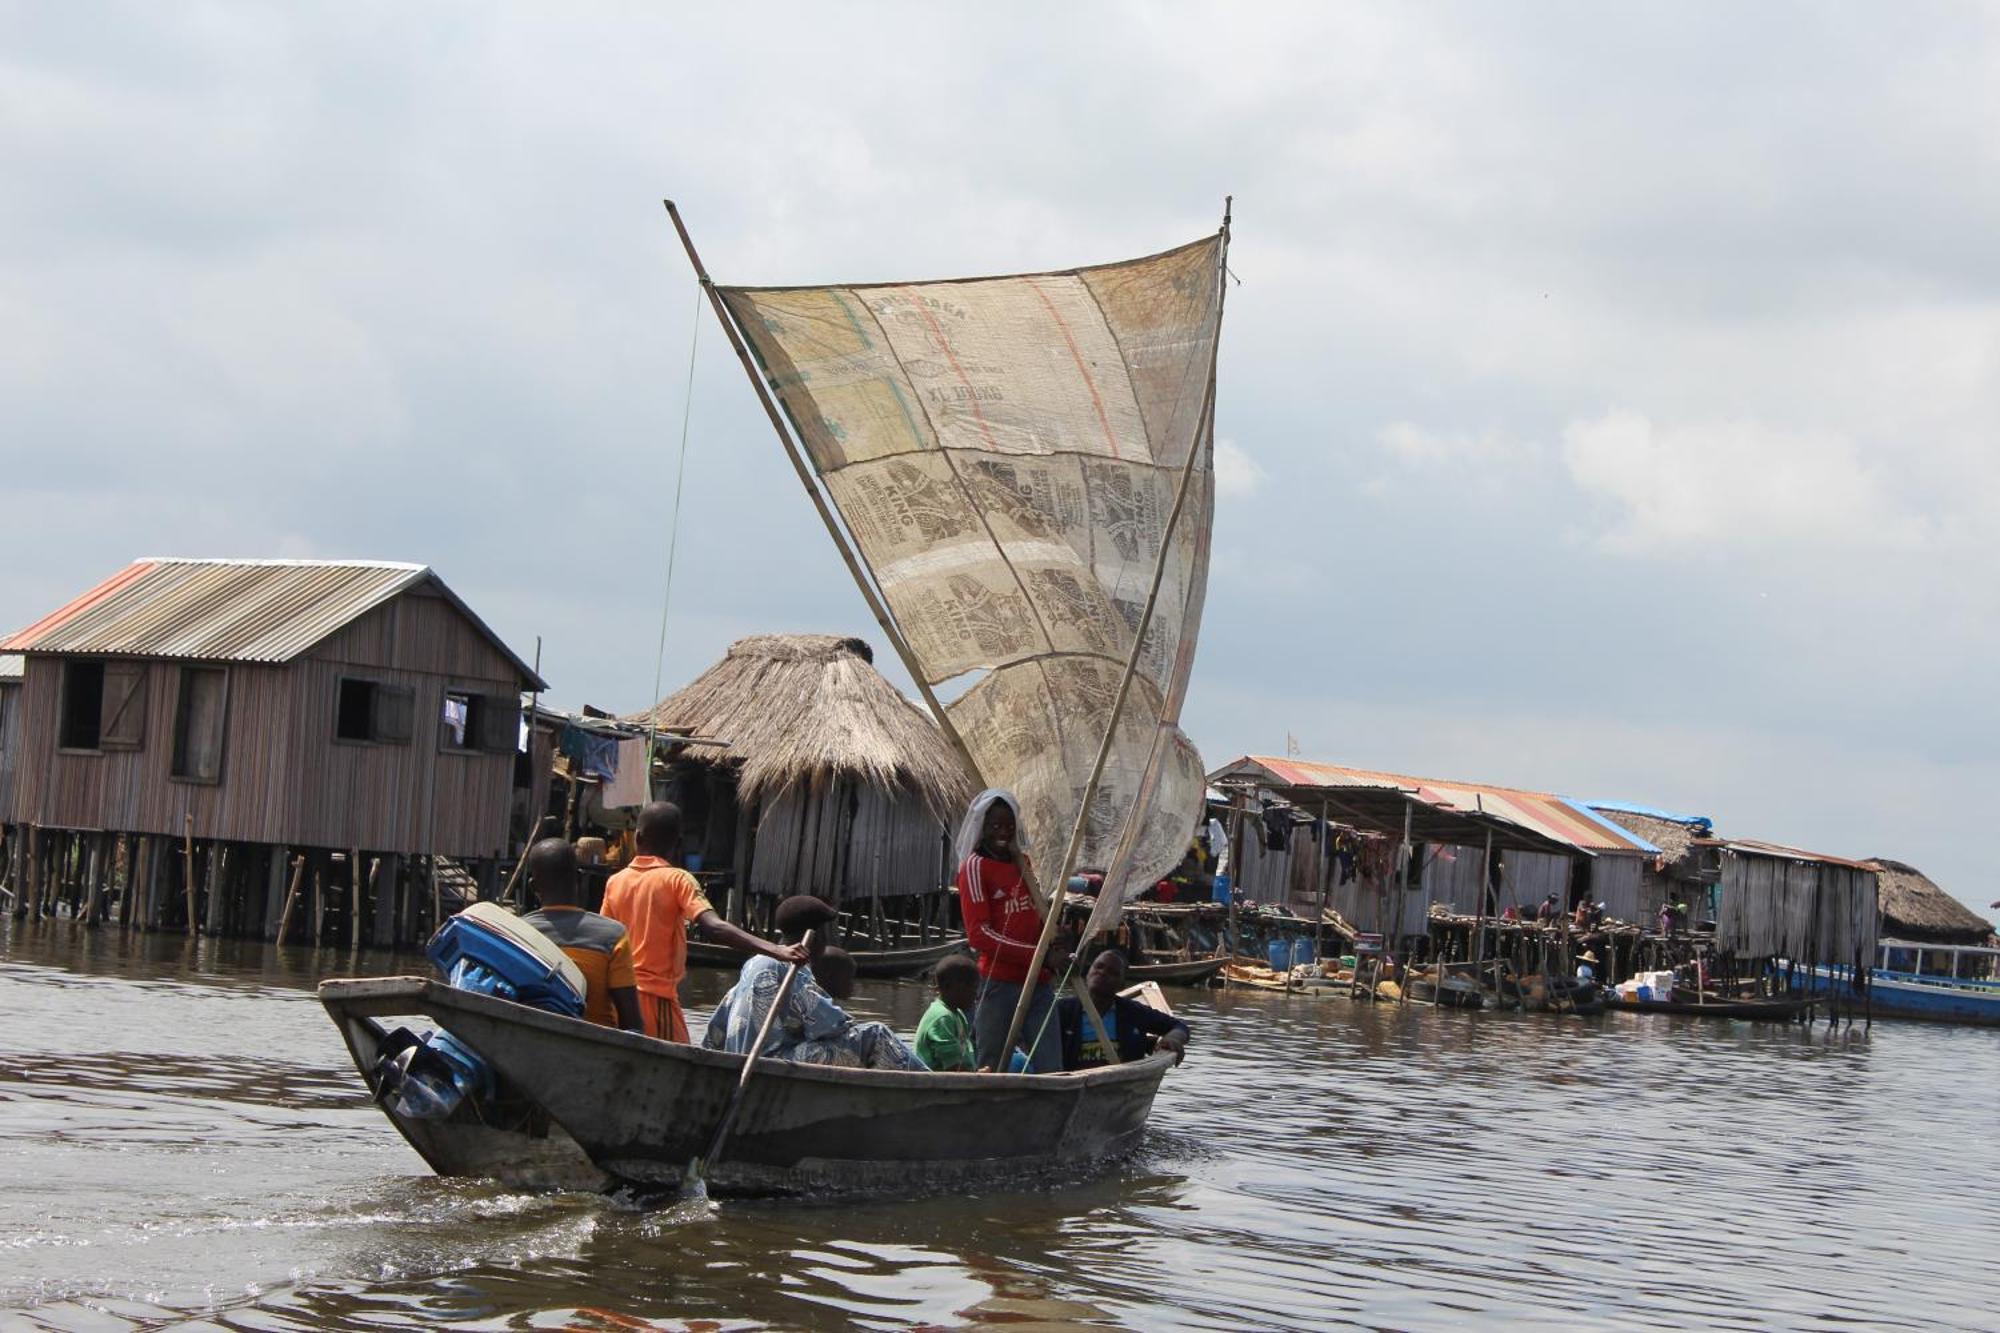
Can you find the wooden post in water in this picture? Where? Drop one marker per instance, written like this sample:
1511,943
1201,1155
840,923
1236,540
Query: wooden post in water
355,875
187,869
291,899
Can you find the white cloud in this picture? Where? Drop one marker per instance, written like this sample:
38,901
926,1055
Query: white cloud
1416,447
1732,483
1237,475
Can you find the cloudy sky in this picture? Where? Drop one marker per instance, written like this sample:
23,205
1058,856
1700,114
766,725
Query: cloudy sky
1609,403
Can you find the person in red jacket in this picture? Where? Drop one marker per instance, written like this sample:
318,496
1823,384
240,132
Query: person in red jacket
1002,924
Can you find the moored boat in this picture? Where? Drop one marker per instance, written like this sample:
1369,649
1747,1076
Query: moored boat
877,963
577,1105
1941,997
1179,971
1716,1006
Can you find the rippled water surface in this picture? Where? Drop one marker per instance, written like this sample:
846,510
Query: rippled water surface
183,1143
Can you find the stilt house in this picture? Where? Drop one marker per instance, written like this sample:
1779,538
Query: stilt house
831,783
237,726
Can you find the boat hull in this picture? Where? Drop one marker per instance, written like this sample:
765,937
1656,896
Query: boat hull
640,1110
877,963
1768,1011
1890,996
1193,972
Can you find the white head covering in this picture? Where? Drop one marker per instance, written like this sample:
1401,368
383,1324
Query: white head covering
975,822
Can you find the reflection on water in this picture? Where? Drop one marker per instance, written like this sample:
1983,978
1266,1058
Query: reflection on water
184,1140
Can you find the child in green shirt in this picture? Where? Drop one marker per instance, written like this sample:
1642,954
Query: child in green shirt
944,1037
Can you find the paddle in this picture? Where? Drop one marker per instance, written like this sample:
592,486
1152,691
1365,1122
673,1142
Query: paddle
693,1183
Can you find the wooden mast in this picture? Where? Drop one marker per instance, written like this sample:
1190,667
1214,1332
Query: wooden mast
1204,428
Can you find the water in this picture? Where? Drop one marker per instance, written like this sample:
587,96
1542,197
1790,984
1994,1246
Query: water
183,1143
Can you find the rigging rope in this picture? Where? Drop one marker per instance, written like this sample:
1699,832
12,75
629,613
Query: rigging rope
673,541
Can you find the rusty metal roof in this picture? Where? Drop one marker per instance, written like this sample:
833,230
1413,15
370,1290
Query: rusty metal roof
1551,819
1778,850
269,611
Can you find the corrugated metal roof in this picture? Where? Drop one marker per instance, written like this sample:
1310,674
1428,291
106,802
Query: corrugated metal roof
1553,817
13,666
229,610
1754,847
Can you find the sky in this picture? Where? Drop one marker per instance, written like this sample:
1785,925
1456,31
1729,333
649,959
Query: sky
1608,399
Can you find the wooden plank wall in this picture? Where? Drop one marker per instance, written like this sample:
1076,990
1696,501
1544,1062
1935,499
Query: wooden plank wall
286,780
1804,911
845,845
10,741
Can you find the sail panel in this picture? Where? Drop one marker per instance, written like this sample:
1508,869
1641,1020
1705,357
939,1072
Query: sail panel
1005,453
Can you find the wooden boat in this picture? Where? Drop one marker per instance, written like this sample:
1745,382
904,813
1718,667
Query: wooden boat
584,1106
1178,972
1931,996
1458,992
880,963
1716,1006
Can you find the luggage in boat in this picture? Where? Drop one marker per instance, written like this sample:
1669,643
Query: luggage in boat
487,950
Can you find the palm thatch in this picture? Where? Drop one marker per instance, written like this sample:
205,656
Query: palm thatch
1913,907
1674,838
809,709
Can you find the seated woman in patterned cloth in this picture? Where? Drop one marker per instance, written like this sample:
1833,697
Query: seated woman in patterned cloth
811,1028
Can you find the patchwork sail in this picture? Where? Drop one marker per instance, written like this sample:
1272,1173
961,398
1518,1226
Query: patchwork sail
1006,455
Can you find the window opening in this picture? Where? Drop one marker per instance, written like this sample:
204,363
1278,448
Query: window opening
354,715
82,705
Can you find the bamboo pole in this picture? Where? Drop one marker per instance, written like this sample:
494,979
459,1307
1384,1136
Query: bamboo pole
355,874
848,554
1206,423
291,898
187,868
1319,922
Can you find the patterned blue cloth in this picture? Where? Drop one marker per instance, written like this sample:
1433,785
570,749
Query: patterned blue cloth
811,1028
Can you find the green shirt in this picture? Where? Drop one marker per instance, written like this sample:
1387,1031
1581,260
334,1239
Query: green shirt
944,1040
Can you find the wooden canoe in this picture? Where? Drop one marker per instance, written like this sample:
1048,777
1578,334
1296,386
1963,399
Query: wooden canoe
867,962
586,1106
1776,1010
1179,972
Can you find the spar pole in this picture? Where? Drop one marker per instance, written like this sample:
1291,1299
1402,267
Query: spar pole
833,529
1205,427
856,563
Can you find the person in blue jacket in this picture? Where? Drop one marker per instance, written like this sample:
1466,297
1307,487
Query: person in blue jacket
1134,1028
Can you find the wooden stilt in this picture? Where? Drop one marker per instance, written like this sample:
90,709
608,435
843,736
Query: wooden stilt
291,898
356,876
187,874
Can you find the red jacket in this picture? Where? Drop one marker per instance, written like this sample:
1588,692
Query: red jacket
1001,920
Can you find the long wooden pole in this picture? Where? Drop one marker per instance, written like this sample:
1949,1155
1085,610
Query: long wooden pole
291,899
728,1120
1205,422
187,868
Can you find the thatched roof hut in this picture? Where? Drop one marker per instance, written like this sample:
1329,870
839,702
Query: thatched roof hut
1913,907
828,781
807,709
1676,838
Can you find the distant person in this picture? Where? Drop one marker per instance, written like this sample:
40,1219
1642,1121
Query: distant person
1003,925
1134,1028
944,1036
657,901
1586,965
810,1028
835,971
1548,910
598,945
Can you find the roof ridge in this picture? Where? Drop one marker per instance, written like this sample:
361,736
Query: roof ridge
301,561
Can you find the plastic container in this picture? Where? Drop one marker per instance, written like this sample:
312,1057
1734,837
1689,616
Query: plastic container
1302,953
1280,954
1220,893
477,951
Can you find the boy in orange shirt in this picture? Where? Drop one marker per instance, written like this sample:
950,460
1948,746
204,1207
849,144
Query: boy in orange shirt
599,946
656,901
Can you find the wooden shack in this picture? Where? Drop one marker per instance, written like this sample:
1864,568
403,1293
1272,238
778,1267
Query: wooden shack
1684,869
1805,908
826,781
11,666
211,737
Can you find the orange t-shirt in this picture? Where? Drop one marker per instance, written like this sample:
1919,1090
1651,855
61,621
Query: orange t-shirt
601,949
655,902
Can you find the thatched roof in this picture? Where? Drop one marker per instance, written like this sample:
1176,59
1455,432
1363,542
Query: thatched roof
811,708
1674,838
1914,907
